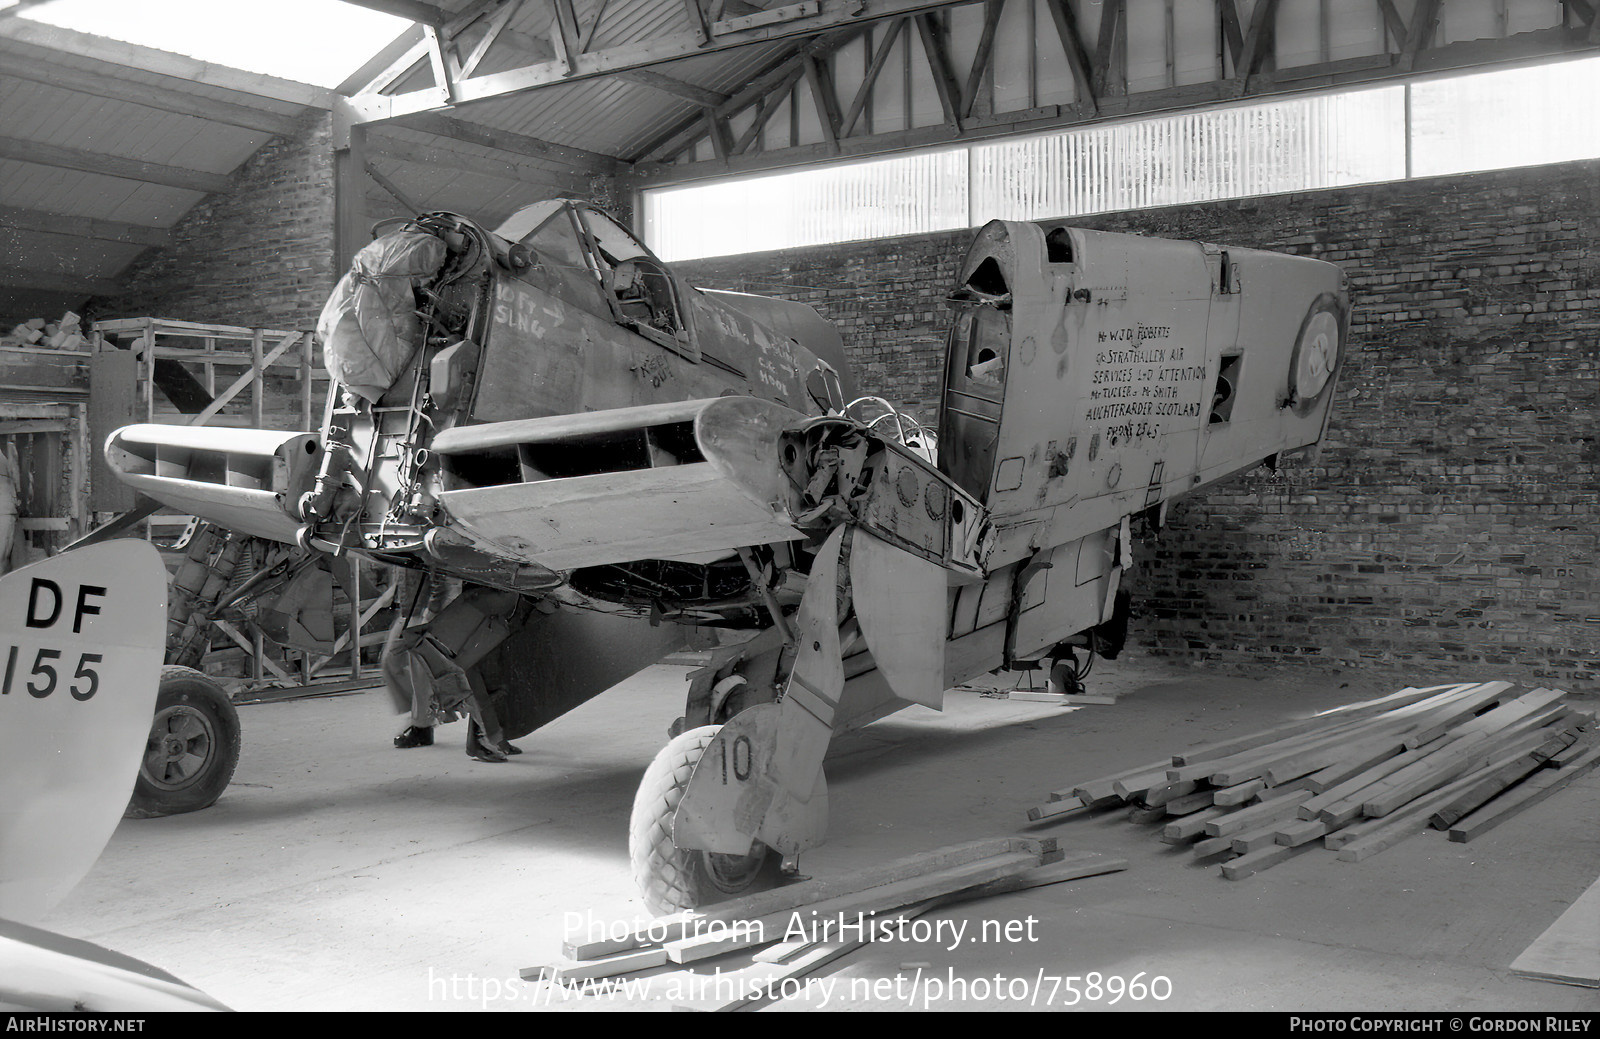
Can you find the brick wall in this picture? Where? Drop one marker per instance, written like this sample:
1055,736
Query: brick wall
260,255
1449,524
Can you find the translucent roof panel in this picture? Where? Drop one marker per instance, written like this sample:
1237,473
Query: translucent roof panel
320,42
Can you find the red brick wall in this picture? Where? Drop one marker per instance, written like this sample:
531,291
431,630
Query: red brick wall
1449,525
260,255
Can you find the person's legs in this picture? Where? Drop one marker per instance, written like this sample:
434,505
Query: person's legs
408,684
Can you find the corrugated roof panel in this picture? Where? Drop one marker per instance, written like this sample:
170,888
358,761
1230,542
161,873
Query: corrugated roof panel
34,112
65,254
72,193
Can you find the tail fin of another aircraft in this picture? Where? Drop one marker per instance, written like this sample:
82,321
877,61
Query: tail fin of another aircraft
81,641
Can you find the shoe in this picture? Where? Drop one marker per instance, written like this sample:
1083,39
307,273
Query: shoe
507,748
415,736
479,750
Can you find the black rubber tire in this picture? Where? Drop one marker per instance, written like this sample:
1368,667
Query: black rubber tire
670,878
1064,678
204,709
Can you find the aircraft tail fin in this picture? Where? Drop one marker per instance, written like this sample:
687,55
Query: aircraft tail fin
81,643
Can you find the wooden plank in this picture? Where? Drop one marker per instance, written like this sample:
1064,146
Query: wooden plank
1255,862
1266,811
877,900
1356,783
1102,789
1461,711
1255,839
1326,779
1371,836
1317,758
757,983
1191,803
1133,788
1057,809
1450,761
677,925
1484,789
1191,827
1213,846
1399,698
1157,796
41,154
1255,763
605,967
1239,793
1529,793
1072,866
1301,831
1569,949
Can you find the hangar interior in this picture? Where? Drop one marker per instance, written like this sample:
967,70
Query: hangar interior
843,154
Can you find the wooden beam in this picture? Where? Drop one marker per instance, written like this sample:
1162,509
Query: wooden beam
806,18
675,139
83,227
717,130
55,281
415,10
1231,33
375,65
1110,59
562,181
40,154
394,192
164,63
1258,43
1393,23
822,96
594,23
671,85
1077,57
1424,22
108,83
518,144
350,230
944,80
766,108
1521,48
491,34
879,58
699,24
564,34
399,67
992,11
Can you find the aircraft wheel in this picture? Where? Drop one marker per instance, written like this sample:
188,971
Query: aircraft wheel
672,878
192,750
1064,678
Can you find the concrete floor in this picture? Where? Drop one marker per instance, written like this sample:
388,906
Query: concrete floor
338,873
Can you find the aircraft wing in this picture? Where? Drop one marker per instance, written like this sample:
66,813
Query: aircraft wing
246,480
682,480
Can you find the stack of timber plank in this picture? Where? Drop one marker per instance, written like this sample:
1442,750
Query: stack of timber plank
792,931
1359,778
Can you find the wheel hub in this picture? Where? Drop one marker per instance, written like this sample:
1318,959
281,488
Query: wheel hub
180,746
